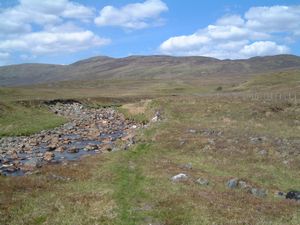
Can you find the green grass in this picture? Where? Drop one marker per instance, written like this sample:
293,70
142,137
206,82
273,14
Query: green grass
17,119
277,81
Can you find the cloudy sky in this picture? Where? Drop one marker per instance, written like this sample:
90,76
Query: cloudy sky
64,31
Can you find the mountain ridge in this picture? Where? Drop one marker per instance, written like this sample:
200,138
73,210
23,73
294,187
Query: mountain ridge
152,66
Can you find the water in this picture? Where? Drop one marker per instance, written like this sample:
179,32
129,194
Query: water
38,152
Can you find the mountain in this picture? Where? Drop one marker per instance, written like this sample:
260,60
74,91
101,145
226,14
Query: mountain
142,67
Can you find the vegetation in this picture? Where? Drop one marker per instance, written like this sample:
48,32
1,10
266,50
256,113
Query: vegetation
17,119
212,132
277,81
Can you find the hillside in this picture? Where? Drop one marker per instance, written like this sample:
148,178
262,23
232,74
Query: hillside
160,67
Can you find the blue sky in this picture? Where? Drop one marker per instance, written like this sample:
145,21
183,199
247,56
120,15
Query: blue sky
64,31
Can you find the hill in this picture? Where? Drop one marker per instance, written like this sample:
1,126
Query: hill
142,67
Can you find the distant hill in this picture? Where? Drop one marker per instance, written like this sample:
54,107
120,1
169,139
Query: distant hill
156,66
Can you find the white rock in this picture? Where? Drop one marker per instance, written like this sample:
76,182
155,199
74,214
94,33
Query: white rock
179,177
154,119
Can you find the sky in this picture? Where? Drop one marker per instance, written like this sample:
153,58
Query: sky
65,31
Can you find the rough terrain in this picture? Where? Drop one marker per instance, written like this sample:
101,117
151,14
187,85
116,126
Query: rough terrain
88,131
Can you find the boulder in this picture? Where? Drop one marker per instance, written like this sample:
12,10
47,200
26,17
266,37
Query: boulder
232,183
295,195
179,177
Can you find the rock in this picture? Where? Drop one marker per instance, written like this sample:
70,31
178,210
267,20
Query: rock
73,150
258,192
295,195
232,183
85,124
60,178
69,126
179,177
188,166
243,185
90,147
193,131
52,147
14,155
48,156
202,181
257,140
154,119
280,194
263,152
61,149
107,147
268,114
181,143
32,164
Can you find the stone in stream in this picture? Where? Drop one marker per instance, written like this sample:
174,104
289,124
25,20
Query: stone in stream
13,155
90,147
52,147
61,149
73,150
48,156
32,164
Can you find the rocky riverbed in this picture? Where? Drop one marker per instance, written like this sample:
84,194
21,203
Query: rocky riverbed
89,131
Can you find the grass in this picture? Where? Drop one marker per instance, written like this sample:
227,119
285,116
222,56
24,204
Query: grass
134,187
17,119
276,81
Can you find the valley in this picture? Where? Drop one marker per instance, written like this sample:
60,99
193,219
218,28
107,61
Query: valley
157,142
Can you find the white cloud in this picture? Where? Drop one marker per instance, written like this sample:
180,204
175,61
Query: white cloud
274,18
233,36
132,16
35,27
184,43
261,48
53,41
20,18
